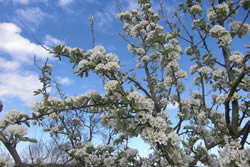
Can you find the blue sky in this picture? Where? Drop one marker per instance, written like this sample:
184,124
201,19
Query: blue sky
53,22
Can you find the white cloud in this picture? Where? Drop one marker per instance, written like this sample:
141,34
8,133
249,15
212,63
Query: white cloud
64,2
64,80
7,65
20,85
15,80
32,16
20,48
52,41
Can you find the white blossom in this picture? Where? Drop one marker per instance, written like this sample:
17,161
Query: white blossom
221,10
15,130
236,57
131,152
110,57
181,74
218,73
54,99
157,122
168,81
173,64
174,138
91,93
83,63
11,117
141,101
233,155
70,99
140,51
145,58
238,27
197,23
220,99
193,68
195,9
53,115
138,65
244,2
206,70
110,86
110,66
222,36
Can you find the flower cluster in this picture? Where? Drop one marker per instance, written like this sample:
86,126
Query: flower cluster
239,28
220,99
233,155
91,94
105,155
198,23
195,9
15,130
193,68
222,36
245,4
151,136
236,57
12,117
206,70
141,101
110,86
217,12
100,61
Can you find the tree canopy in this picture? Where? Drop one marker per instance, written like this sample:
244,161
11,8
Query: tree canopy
212,122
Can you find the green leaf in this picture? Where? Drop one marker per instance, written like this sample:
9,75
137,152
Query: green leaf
26,139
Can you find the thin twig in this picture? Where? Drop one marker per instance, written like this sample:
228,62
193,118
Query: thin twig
92,20
118,5
44,47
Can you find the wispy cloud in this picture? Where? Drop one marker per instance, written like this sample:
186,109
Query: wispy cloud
104,18
64,3
64,81
52,41
31,17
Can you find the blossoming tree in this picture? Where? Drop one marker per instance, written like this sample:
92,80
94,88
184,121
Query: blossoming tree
212,124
